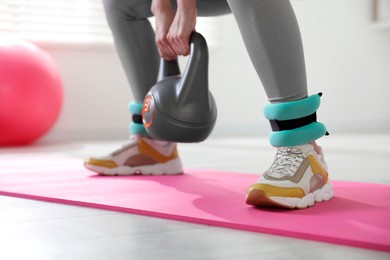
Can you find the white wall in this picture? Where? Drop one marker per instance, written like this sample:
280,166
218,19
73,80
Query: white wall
347,59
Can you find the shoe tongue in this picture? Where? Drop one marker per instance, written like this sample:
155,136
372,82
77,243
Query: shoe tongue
130,143
305,148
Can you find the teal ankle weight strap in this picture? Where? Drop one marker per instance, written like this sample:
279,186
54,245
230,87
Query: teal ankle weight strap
294,123
136,127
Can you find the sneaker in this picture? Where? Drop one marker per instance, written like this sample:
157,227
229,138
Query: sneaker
142,156
297,178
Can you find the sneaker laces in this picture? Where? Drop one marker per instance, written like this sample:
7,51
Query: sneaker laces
286,163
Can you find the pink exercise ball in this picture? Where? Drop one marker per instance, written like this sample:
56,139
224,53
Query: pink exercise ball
30,92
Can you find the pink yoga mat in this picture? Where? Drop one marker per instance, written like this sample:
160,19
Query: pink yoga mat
359,215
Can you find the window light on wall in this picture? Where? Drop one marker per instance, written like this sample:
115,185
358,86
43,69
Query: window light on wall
382,14
70,22
55,21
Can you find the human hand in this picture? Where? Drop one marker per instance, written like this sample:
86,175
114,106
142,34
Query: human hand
173,31
182,26
164,15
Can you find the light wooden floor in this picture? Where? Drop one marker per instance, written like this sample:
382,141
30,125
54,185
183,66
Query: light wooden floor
32,230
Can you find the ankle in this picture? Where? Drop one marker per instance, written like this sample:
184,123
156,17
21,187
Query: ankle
155,141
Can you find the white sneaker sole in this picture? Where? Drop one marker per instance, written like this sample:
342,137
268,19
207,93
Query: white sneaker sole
323,194
172,167
258,198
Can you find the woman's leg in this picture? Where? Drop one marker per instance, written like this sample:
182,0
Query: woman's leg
298,176
134,41
272,38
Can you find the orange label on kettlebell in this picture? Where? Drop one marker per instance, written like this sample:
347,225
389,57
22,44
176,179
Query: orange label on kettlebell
147,111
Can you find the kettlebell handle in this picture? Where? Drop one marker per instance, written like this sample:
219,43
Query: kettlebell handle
171,68
194,83
167,69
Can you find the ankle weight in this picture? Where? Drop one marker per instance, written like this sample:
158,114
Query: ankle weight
136,127
294,123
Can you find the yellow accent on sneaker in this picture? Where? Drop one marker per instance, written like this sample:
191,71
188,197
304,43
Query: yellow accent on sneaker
145,148
139,156
101,163
271,190
317,168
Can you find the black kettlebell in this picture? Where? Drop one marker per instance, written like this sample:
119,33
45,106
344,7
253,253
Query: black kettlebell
180,108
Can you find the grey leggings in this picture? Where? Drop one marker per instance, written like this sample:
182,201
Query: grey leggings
269,29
